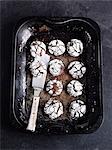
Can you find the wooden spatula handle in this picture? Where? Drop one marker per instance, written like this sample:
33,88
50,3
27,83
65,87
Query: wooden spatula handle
33,115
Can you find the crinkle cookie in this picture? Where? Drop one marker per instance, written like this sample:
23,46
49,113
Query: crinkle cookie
75,47
38,68
54,87
53,108
56,67
74,88
76,69
77,109
56,47
37,48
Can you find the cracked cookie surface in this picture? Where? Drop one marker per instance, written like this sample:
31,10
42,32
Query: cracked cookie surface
56,47
54,87
37,48
76,69
75,47
53,108
77,109
56,67
74,88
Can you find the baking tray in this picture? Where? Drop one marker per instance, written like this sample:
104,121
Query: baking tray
47,29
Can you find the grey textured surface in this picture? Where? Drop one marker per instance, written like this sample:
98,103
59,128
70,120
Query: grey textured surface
101,12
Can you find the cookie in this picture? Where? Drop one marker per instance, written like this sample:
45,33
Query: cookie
54,87
56,67
37,48
74,88
75,47
76,69
38,68
53,108
77,109
56,47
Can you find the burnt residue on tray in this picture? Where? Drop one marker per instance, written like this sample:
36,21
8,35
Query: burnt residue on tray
46,30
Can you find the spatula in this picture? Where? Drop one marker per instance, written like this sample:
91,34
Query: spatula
38,85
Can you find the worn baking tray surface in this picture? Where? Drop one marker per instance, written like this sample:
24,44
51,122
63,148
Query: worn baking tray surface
64,29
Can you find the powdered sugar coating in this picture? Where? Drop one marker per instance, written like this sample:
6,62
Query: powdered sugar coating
76,69
56,67
53,108
54,87
56,47
37,48
75,47
75,88
77,109
38,68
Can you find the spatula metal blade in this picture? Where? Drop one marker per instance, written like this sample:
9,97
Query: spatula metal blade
38,82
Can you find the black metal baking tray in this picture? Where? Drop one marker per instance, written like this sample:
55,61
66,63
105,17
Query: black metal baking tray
88,32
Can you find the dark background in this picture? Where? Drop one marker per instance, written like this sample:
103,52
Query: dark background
11,13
